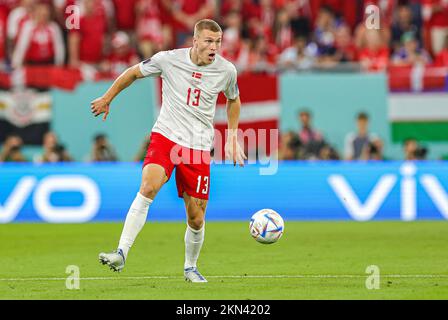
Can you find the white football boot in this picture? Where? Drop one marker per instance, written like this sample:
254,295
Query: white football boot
115,260
192,275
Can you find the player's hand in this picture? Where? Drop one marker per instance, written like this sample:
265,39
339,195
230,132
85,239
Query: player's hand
100,106
234,151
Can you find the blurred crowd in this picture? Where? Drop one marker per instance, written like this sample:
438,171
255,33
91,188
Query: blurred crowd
54,151
259,35
307,144
310,144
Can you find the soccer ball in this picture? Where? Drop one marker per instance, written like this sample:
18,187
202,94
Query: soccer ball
266,226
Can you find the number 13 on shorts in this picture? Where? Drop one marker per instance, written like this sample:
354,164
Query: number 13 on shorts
202,184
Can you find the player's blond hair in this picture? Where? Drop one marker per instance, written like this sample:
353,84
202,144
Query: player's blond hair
206,24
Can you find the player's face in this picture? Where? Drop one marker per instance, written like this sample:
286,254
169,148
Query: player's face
207,44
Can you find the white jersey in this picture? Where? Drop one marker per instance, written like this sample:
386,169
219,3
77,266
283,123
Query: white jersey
189,94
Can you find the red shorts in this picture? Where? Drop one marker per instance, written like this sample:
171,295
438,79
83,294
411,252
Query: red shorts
192,166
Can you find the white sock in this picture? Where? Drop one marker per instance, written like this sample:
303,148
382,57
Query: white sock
135,220
193,244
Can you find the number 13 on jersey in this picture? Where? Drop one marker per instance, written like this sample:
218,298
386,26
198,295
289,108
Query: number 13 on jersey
193,97
202,182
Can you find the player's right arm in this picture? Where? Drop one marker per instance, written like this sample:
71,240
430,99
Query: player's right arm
101,104
149,67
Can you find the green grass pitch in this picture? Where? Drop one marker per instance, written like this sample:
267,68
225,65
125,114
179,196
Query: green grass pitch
313,260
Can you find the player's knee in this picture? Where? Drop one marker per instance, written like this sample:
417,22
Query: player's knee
148,190
196,223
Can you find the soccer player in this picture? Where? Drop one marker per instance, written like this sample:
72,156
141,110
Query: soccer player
182,136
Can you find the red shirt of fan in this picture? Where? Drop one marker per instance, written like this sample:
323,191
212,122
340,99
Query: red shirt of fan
375,60
92,31
149,23
436,19
246,8
284,38
188,7
8,5
442,58
125,14
40,46
119,63
3,23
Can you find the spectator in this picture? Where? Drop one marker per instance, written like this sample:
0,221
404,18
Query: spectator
300,13
262,19
234,48
345,47
311,140
435,15
301,56
290,146
53,150
40,41
122,56
16,19
87,44
404,23
345,11
283,33
152,34
262,56
410,54
375,150
12,149
307,134
185,14
413,151
227,6
102,150
375,56
357,142
324,33
125,14
328,153
386,11
442,57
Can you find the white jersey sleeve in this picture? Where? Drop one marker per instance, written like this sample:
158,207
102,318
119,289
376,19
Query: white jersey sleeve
232,91
153,66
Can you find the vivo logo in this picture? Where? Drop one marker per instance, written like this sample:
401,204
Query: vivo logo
41,198
408,194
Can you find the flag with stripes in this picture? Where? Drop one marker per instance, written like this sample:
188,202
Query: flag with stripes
419,116
260,109
197,75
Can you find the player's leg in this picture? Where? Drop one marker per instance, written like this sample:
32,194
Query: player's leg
157,169
153,178
193,181
194,236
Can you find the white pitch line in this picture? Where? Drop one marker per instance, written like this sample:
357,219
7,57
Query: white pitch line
310,276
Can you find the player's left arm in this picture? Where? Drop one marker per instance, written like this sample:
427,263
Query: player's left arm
233,149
